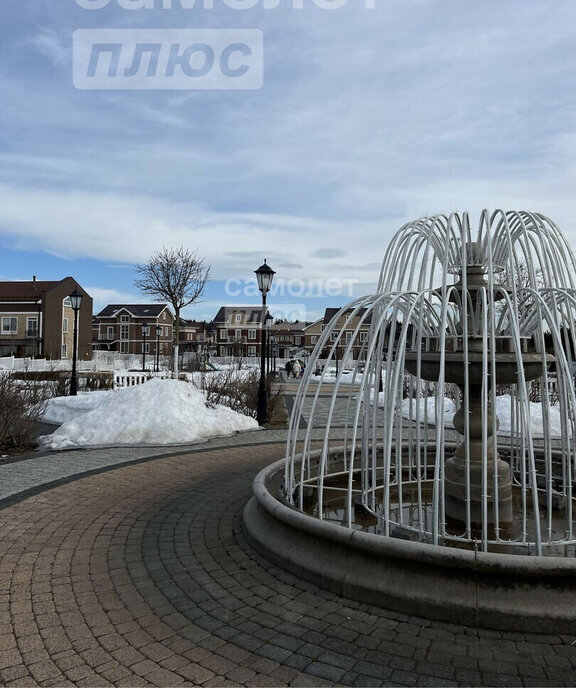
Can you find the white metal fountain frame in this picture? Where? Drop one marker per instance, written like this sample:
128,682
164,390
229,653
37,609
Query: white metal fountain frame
524,275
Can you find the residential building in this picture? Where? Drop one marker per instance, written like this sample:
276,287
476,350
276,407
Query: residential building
312,333
37,319
194,335
289,338
344,334
237,332
119,328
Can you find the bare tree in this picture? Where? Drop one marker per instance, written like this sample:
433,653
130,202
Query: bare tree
175,275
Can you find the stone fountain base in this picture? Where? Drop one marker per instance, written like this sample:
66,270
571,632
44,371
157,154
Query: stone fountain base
499,499
499,591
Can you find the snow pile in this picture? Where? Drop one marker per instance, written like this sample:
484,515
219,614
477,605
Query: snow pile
427,406
61,409
502,408
344,376
158,412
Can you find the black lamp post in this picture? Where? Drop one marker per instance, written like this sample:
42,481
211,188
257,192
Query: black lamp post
265,275
268,322
158,333
145,333
75,301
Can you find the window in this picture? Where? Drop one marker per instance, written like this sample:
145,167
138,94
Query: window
333,336
164,315
363,336
32,327
349,337
125,318
64,327
251,351
9,325
147,347
123,331
251,334
224,335
109,333
238,335
64,350
67,302
313,339
166,331
238,318
297,341
123,347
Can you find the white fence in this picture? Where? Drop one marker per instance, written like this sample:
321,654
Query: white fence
131,378
43,365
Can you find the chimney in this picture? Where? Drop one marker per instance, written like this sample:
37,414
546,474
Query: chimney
33,278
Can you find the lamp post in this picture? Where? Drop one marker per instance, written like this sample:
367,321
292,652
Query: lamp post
75,301
264,275
145,333
268,323
158,333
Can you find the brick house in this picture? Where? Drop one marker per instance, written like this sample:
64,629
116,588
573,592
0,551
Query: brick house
237,332
289,338
118,327
195,335
346,331
37,319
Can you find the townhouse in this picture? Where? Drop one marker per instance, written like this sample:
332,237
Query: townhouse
37,319
134,329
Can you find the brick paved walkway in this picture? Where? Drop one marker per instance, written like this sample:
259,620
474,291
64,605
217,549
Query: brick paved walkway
141,575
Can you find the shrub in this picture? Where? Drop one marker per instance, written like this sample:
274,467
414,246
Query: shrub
21,407
238,389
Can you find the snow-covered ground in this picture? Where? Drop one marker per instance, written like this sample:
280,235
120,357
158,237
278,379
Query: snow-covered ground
159,412
502,407
345,376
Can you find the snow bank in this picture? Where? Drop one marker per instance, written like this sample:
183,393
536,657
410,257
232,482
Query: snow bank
157,412
503,411
344,376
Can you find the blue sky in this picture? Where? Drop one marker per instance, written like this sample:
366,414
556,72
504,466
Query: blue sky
366,119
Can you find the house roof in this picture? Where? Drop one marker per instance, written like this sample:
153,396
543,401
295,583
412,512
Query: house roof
136,310
289,327
311,324
29,290
330,314
253,314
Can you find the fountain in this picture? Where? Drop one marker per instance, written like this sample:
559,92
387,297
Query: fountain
448,488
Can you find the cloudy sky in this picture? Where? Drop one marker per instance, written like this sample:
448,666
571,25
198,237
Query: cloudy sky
366,118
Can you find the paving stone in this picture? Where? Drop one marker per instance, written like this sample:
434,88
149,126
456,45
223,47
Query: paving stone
152,582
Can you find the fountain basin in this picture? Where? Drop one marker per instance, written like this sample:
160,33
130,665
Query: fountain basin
499,591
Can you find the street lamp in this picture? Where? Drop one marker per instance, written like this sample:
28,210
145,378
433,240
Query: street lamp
145,333
264,275
268,323
75,301
158,333
272,354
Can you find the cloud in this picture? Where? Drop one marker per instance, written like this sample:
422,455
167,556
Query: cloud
49,44
367,119
328,253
